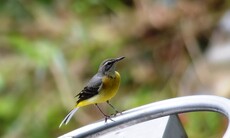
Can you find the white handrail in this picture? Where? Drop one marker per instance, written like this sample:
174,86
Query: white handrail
156,110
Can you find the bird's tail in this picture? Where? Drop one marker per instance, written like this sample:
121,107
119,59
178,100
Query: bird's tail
68,117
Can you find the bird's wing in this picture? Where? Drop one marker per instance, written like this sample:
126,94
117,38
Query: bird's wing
92,89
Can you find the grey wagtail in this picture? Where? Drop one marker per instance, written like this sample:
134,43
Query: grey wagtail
101,88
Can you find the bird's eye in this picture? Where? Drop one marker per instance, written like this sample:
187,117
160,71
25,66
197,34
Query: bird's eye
108,65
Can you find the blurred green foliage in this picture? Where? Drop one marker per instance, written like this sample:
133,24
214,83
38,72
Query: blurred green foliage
207,124
49,49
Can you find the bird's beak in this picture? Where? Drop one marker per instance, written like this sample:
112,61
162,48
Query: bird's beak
118,59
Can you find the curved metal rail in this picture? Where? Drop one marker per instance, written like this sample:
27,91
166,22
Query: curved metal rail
156,110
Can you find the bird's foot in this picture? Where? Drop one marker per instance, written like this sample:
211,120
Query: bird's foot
108,117
117,113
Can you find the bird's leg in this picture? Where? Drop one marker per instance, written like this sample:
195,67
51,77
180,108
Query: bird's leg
113,108
106,116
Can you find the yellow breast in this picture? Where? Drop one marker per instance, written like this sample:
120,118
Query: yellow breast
109,89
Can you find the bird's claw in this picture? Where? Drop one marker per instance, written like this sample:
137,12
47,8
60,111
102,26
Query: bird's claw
108,117
117,112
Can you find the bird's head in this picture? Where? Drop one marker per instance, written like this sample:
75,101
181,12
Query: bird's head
108,66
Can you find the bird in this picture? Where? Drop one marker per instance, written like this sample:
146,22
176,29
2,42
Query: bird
101,88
